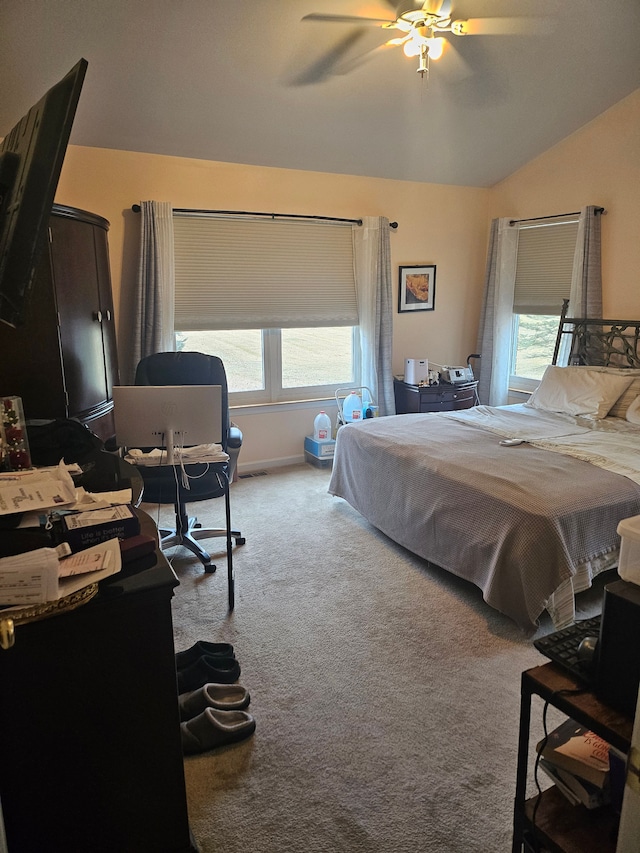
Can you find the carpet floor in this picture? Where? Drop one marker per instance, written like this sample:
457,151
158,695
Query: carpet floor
386,692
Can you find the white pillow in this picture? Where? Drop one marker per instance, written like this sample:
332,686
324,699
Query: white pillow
576,391
633,412
619,408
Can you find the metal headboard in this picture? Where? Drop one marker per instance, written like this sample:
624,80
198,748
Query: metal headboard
608,343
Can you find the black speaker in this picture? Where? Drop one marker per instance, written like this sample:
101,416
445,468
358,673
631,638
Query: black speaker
618,667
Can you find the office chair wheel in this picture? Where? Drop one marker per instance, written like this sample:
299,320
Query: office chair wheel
209,568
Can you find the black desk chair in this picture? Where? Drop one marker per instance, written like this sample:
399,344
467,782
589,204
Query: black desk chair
163,484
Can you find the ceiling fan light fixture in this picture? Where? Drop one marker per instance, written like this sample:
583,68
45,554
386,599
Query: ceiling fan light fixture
412,47
421,30
423,38
436,47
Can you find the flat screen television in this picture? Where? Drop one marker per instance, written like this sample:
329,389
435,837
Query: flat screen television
167,416
31,157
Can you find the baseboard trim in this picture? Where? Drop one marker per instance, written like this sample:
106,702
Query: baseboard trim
266,464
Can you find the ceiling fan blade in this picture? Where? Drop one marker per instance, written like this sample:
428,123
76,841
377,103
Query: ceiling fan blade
350,65
434,7
396,42
327,65
504,26
346,19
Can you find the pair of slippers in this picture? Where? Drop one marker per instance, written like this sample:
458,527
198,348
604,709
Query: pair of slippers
213,716
206,663
211,712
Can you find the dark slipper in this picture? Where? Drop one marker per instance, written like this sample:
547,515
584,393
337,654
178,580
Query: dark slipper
208,670
202,647
223,697
213,728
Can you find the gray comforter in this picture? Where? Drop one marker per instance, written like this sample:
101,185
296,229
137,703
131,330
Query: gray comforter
517,522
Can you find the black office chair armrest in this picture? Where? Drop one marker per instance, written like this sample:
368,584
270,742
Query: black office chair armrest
234,441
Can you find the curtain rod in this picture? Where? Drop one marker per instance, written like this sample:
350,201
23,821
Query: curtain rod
136,209
555,216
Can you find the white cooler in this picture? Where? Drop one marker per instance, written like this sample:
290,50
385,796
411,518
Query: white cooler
629,563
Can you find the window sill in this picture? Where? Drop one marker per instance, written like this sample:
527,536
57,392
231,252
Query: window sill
284,406
522,385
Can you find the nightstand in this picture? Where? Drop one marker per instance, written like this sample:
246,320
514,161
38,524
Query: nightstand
433,398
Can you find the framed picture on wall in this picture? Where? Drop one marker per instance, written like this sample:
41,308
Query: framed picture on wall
417,288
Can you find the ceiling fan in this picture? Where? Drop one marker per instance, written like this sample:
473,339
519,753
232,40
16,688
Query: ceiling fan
425,30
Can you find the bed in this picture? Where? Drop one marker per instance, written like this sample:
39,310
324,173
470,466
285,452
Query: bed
530,524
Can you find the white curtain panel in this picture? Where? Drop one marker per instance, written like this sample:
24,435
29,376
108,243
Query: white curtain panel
494,335
585,297
372,258
155,294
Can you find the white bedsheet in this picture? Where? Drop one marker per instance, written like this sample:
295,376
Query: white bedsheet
610,443
520,421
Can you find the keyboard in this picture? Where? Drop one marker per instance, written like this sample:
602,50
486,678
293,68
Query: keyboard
562,646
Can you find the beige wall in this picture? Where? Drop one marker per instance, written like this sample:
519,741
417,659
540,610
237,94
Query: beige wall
441,225
599,164
444,225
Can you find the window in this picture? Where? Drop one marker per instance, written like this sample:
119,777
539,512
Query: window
269,365
543,280
534,342
274,298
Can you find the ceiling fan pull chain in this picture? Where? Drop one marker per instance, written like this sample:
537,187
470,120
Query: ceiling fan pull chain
423,64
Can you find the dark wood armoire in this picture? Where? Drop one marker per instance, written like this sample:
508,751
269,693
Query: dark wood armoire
63,361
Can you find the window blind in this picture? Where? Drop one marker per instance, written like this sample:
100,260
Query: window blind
248,273
544,267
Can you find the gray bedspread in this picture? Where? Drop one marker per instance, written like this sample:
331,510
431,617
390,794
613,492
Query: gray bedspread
515,521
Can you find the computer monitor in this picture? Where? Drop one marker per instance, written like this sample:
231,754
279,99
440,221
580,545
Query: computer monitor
167,416
31,157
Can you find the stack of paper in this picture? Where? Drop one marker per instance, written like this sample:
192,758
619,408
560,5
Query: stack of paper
47,574
23,491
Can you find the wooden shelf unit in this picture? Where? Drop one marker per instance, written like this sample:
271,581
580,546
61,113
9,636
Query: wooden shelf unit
560,827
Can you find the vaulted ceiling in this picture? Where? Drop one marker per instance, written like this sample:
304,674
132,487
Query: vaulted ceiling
250,81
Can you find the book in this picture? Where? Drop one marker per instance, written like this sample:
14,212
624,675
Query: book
84,529
574,789
552,773
574,748
590,795
135,547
